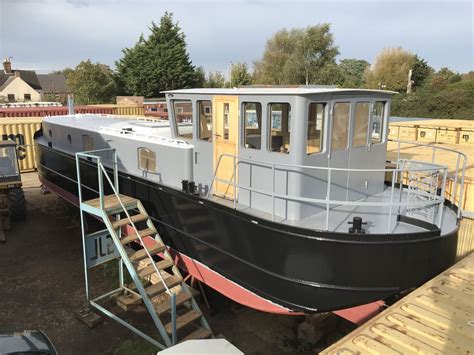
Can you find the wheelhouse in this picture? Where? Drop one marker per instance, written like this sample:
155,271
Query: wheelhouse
244,137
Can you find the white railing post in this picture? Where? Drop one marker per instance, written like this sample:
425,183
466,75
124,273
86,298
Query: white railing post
273,192
394,175
328,194
101,182
441,203
461,190
234,182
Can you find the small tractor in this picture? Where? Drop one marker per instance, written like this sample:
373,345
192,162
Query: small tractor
12,198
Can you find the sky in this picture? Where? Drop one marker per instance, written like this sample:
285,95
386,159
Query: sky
47,35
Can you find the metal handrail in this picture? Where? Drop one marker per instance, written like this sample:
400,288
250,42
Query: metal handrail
101,170
397,174
460,155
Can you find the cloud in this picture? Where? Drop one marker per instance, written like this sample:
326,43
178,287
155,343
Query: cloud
53,34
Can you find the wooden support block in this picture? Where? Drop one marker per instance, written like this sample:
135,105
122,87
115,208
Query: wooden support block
88,317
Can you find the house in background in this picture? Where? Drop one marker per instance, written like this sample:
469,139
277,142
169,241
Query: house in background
25,85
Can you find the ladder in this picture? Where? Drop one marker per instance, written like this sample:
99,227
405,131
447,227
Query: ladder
168,299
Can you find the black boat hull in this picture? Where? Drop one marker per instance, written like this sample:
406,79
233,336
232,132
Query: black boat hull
300,270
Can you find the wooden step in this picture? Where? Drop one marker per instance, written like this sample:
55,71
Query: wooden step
182,321
200,333
124,221
157,288
140,254
165,306
133,235
150,269
129,301
111,202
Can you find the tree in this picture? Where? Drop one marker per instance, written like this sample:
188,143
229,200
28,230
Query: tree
351,72
157,63
215,80
239,75
421,71
390,69
92,83
442,78
200,77
298,56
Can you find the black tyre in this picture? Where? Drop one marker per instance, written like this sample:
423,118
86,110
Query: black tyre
17,204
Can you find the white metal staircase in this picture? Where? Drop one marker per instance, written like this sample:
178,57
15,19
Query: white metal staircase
168,299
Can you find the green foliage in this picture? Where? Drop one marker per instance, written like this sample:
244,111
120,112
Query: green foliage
158,63
441,99
351,72
215,79
239,75
390,70
298,56
200,77
133,347
91,83
420,71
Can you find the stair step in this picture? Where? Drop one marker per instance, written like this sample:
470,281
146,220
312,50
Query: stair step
127,302
183,320
200,333
157,288
140,254
165,305
124,221
150,269
111,202
133,236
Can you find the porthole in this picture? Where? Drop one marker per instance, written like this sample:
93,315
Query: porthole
69,139
50,134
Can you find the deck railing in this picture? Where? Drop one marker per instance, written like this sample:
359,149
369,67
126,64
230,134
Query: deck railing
431,198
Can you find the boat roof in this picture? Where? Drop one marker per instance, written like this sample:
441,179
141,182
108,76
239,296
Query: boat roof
275,91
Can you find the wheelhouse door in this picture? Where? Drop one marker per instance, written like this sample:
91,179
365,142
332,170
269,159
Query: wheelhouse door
338,156
225,131
358,186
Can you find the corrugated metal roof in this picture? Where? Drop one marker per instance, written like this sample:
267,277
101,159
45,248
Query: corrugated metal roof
438,318
274,91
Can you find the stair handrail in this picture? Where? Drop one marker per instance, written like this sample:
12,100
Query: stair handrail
168,291
101,170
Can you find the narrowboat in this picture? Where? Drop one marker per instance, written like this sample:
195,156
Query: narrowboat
281,199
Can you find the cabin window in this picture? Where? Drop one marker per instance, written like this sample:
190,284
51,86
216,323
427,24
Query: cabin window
69,139
205,120
50,134
146,160
340,125
316,122
253,125
378,118
87,143
361,124
183,113
279,140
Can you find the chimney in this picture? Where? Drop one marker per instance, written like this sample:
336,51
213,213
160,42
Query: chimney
7,66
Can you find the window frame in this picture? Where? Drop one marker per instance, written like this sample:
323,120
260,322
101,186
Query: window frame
369,119
334,103
148,150
244,123
269,126
324,128
198,113
175,116
383,121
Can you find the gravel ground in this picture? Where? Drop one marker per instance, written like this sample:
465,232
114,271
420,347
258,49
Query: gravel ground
42,284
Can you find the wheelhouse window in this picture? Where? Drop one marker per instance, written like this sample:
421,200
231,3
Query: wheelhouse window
87,143
316,123
280,117
378,119
361,124
252,125
183,113
340,125
146,160
205,120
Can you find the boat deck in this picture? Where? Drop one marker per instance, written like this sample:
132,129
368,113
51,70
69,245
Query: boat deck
377,218
434,319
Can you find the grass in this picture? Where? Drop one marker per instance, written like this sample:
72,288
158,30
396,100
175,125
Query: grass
132,347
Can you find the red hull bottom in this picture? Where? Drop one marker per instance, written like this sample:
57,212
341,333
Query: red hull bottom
232,290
